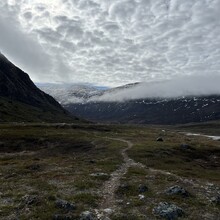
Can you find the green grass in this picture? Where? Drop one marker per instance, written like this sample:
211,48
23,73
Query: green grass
13,111
54,161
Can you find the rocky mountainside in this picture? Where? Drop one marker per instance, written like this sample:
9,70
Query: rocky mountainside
21,100
70,93
151,111
97,105
76,93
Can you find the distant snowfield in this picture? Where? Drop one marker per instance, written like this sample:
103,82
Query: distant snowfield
215,138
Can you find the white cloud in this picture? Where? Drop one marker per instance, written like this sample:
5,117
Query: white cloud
177,87
112,42
23,49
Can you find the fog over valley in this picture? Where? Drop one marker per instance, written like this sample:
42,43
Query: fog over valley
174,88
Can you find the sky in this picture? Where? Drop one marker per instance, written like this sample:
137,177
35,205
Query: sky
112,42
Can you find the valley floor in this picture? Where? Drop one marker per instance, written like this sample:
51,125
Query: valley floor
76,171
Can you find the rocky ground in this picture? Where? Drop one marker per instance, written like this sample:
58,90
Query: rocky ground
60,171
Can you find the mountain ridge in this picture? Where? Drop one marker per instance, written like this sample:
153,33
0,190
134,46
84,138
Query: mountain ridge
17,92
171,110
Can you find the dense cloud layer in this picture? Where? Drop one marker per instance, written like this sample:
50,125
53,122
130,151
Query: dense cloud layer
112,42
178,87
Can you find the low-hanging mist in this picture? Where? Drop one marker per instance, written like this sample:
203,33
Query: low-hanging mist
178,87
182,86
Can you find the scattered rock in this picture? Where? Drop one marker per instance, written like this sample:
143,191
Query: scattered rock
30,200
168,211
62,204
141,197
216,200
160,139
108,211
87,215
142,188
177,190
92,161
7,201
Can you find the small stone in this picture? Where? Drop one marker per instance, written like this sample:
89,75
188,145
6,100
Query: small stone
108,211
62,204
168,211
177,190
142,188
141,197
30,200
160,139
215,200
87,215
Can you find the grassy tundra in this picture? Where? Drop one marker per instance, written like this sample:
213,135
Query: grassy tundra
42,164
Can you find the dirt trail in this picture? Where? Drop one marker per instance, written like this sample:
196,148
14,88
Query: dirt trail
109,202
109,188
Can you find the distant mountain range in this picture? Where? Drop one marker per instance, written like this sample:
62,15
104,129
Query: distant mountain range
21,100
98,105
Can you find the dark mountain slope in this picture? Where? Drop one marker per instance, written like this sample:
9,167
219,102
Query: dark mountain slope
151,111
102,105
21,100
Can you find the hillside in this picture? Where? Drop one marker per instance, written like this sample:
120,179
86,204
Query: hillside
99,105
21,100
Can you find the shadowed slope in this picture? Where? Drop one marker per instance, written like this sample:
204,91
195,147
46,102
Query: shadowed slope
20,99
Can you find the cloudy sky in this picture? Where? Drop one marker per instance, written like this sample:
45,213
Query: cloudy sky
111,42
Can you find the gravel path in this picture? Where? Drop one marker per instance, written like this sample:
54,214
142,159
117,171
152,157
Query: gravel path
109,203
109,188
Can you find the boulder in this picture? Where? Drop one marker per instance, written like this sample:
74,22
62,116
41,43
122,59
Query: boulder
216,200
142,188
30,200
168,211
160,139
177,190
87,215
62,204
